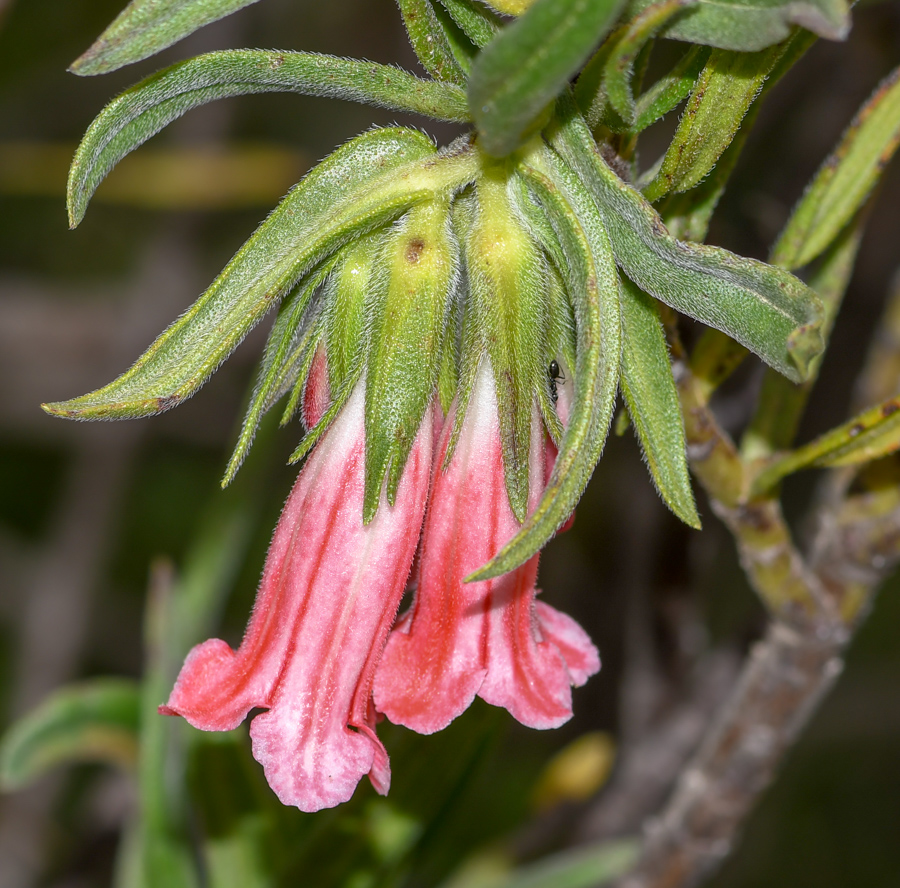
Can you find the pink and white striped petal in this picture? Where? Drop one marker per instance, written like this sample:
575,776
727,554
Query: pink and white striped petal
485,638
329,593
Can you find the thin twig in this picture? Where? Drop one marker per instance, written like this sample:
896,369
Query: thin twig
786,675
815,606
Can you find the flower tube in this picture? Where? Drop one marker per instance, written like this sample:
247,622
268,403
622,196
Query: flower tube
329,593
490,637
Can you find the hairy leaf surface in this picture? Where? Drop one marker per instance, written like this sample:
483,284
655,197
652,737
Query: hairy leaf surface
363,185
527,65
145,27
763,307
751,25
593,285
723,93
144,109
846,178
652,399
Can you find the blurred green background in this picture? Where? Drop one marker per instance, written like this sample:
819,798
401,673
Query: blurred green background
85,510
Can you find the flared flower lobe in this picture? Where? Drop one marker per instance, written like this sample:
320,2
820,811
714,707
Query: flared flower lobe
329,593
488,638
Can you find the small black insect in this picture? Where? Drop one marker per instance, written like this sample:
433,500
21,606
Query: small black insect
556,377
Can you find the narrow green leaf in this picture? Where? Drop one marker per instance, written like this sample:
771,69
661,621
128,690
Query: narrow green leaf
278,348
472,349
407,331
619,67
557,336
448,375
429,41
560,346
751,25
145,27
589,90
529,62
593,285
671,89
780,405
538,223
338,399
357,275
587,867
463,49
235,824
764,308
476,21
869,435
180,612
845,179
297,367
96,720
144,109
363,185
724,91
342,329
688,213
652,399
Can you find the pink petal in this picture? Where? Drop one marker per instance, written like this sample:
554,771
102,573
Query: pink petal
527,676
328,595
316,390
462,639
581,656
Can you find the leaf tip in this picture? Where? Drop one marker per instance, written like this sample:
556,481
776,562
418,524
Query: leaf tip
59,408
488,571
230,472
690,518
98,58
805,344
683,507
76,206
514,554
86,65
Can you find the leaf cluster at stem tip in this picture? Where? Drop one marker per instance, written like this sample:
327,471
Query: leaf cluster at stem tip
595,242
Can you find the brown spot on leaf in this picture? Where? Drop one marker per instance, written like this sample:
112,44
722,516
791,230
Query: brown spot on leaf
414,250
658,227
890,408
616,163
167,402
855,430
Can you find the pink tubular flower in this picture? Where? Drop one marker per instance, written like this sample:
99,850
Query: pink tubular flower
490,637
329,593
